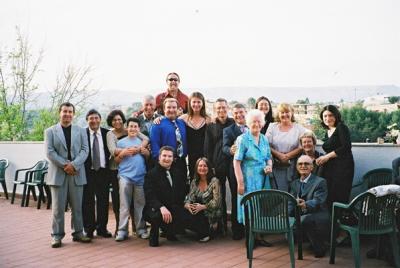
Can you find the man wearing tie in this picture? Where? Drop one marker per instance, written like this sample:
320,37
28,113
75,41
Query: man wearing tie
311,192
165,190
171,131
229,147
67,149
95,210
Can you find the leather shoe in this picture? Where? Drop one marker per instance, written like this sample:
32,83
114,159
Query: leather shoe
262,243
82,239
56,243
105,234
89,234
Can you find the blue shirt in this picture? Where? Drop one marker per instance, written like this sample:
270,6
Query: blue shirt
132,167
164,134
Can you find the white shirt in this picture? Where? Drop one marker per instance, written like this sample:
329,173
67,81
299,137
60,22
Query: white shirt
101,147
284,141
306,179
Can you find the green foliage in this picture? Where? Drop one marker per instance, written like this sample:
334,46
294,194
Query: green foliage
45,119
394,99
251,103
11,122
305,101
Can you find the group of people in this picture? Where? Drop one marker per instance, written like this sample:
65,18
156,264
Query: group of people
169,163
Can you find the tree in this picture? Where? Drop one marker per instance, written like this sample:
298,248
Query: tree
72,85
394,99
18,70
251,103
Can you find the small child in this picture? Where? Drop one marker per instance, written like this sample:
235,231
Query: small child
131,172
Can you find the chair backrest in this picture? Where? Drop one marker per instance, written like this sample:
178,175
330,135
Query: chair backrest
41,166
375,214
3,167
376,177
268,210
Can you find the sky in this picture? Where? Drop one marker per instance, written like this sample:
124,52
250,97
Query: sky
132,45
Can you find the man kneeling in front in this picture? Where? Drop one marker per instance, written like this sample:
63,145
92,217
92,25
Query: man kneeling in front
165,190
311,192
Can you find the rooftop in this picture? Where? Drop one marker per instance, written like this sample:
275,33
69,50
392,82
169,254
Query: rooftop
25,242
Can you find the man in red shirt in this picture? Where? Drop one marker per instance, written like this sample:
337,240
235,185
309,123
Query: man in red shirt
173,91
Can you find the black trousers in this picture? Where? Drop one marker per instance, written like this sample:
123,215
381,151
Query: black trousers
237,228
95,200
316,227
115,195
221,176
181,219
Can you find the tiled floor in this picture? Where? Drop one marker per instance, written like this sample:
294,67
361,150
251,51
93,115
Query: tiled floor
25,242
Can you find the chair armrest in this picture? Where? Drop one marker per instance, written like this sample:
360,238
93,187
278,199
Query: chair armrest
22,169
340,205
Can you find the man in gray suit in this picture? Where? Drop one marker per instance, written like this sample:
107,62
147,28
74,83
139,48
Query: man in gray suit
66,148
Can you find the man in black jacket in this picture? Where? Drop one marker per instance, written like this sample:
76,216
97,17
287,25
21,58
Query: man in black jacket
95,213
164,189
213,147
229,148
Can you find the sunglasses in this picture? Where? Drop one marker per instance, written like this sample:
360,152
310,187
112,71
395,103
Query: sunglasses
303,163
173,79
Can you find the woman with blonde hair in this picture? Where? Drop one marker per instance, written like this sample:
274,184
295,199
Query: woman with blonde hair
283,136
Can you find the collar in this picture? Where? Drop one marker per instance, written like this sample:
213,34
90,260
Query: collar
306,179
152,117
166,94
92,132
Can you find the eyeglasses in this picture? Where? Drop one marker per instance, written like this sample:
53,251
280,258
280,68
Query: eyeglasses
303,163
173,79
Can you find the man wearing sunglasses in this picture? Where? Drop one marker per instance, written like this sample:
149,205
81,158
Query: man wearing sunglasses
173,91
311,193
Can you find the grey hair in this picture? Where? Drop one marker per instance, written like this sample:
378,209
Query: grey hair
308,134
255,113
148,98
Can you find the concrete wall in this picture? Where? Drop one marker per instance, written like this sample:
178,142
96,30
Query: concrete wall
367,156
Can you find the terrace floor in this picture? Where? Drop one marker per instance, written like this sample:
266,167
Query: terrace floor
25,242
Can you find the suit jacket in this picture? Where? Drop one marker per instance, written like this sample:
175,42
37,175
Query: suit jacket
88,162
158,191
315,193
57,154
229,137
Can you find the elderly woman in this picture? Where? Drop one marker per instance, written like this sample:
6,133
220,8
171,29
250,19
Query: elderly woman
205,195
252,161
308,141
264,105
116,120
283,136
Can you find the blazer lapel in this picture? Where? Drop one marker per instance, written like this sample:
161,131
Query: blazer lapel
237,131
60,134
308,185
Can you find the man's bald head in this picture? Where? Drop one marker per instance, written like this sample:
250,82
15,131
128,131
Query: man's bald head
304,166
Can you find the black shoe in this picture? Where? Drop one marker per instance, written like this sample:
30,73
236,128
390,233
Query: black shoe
56,243
105,234
237,236
320,253
89,234
262,243
153,243
82,239
171,237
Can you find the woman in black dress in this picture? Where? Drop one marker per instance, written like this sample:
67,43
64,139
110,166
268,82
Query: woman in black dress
338,161
196,121
263,104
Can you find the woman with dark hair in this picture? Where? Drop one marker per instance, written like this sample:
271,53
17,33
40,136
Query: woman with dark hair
196,121
338,161
116,120
205,195
263,104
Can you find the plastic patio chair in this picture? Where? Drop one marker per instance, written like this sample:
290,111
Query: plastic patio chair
365,215
3,166
36,179
267,212
376,177
23,181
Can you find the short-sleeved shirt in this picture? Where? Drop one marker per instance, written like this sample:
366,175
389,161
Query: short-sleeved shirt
132,167
284,141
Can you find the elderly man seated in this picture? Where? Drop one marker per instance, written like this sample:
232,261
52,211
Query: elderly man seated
311,192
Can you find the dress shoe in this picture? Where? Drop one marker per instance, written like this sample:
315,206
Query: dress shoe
105,234
89,234
237,236
82,239
262,243
153,242
56,243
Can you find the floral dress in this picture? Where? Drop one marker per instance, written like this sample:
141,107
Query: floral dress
253,159
211,197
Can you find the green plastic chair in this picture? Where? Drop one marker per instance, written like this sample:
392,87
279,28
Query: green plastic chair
36,179
267,212
41,165
3,167
376,177
365,215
